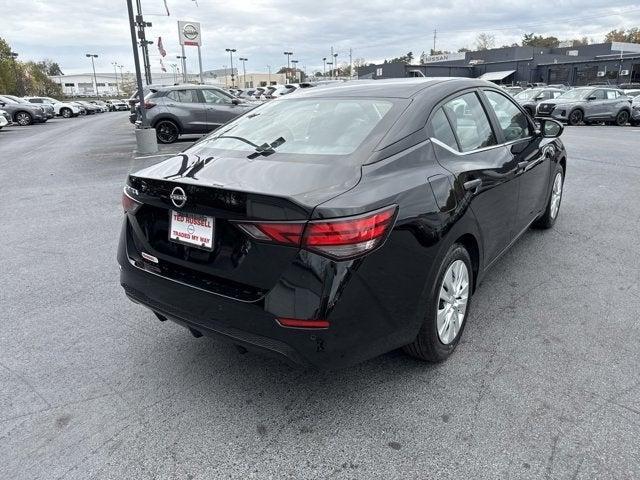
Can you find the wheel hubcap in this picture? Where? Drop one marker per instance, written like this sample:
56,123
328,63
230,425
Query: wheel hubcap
556,195
23,119
452,303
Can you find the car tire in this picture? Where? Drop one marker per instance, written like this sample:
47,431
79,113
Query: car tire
550,215
23,118
167,131
575,117
444,322
622,118
66,112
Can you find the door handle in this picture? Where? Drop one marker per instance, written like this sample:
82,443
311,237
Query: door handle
472,184
522,165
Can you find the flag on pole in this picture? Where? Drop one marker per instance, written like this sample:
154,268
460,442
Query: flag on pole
161,49
162,67
166,7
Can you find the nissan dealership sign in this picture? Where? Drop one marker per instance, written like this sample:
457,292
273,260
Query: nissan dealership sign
189,33
445,57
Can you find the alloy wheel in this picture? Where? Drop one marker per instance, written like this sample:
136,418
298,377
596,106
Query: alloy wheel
575,118
452,302
556,195
167,132
23,119
66,113
622,119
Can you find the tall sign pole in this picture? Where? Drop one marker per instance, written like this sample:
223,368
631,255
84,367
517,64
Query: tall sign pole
189,34
144,43
145,136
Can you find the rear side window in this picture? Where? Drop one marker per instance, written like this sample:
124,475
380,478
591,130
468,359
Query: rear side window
611,94
513,122
184,96
442,130
470,122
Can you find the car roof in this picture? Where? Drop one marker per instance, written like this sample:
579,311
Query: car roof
187,86
392,88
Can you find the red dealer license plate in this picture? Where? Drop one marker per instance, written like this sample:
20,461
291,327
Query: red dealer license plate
190,229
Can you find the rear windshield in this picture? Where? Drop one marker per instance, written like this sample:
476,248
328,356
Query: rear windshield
303,126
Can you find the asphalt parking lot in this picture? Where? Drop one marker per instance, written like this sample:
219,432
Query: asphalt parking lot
545,384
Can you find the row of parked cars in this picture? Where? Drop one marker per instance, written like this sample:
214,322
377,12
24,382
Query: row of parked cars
195,109
25,111
583,105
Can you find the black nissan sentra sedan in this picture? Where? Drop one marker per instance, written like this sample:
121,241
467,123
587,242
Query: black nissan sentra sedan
332,225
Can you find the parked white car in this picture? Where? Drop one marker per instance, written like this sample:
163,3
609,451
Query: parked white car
62,109
5,118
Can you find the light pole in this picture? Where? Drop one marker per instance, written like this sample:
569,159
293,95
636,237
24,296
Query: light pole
324,66
269,67
288,54
330,65
14,55
146,140
295,68
115,65
244,72
231,50
95,80
335,63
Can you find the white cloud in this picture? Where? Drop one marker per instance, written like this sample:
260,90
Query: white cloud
64,30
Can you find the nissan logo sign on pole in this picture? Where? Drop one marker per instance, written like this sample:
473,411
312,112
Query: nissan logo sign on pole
189,34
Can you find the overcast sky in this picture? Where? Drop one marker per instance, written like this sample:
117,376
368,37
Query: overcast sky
64,30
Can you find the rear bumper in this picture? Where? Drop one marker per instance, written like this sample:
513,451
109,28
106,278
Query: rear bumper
371,305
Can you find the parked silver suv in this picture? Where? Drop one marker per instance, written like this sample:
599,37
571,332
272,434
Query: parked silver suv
183,109
588,105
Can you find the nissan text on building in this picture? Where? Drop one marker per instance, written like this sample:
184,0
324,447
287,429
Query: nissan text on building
613,63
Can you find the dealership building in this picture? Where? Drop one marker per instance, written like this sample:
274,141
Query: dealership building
612,63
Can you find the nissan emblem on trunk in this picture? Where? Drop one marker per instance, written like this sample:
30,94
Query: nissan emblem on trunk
178,197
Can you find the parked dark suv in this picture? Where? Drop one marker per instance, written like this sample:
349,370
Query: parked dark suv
181,109
342,222
529,99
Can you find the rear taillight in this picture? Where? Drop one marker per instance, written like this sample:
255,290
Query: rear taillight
302,323
129,205
340,238
148,105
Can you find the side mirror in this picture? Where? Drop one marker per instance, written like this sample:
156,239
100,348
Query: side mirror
2,104
235,101
591,98
549,128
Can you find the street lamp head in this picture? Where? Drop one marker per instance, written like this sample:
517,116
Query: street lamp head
230,49
14,54
324,59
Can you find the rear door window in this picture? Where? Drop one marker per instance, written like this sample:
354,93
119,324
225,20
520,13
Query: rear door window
611,94
184,96
470,122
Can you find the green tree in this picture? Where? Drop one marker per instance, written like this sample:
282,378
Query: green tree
8,69
631,35
50,67
533,40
